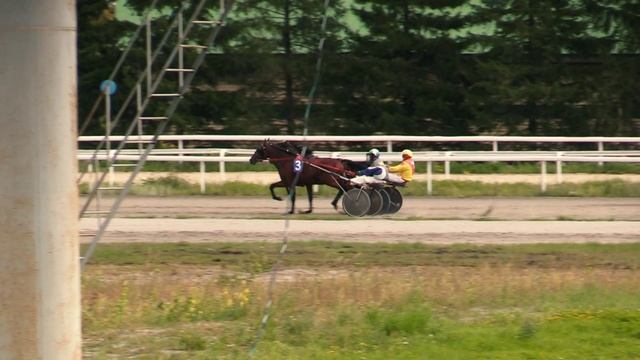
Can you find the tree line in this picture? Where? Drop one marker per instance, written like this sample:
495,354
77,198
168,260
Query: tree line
419,67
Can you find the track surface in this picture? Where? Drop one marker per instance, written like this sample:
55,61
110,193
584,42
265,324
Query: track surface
428,220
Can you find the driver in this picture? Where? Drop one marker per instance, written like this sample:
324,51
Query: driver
376,168
406,168
373,158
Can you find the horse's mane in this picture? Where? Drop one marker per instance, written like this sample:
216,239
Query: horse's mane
292,147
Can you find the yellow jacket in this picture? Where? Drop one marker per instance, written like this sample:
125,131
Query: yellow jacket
405,169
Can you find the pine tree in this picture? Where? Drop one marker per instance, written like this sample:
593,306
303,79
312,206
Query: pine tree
404,73
99,32
274,50
525,81
617,93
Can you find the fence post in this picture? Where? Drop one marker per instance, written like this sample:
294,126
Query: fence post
559,167
429,178
180,147
447,166
600,149
495,146
111,155
202,172
389,146
223,152
543,176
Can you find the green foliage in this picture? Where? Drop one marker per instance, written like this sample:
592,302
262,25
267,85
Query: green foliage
168,185
413,67
173,185
413,320
611,188
527,330
245,256
497,302
192,342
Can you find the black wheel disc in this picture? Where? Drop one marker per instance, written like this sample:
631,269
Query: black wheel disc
386,201
356,202
396,199
377,202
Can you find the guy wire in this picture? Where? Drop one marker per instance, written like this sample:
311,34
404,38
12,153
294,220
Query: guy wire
285,239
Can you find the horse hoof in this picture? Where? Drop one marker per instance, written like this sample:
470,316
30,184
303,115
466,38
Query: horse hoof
277,198
306,211
335,206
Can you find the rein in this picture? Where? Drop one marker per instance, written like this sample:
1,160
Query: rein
332,170
325,168
327,171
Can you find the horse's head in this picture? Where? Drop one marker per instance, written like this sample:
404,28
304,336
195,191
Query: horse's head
260,154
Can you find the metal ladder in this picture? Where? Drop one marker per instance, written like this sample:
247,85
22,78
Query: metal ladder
145,99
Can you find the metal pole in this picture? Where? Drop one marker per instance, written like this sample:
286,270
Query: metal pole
39,265
180,54
148,43
107,109
138,120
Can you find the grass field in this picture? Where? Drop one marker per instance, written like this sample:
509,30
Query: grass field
173,185
364,301
421,167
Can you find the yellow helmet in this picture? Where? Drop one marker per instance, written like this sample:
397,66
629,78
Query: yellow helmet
407,153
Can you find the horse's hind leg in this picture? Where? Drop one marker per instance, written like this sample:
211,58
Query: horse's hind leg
275,185
334,203
310,196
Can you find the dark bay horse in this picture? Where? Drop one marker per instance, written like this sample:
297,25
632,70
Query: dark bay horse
314,170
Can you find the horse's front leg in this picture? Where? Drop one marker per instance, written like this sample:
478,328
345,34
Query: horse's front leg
292,195
310,196
334,203
275,185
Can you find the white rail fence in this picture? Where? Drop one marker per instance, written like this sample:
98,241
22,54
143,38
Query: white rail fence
223,156
495,141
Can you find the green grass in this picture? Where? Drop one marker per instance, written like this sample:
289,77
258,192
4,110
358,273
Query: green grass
373,301
173,185
438,168
532,168
257,257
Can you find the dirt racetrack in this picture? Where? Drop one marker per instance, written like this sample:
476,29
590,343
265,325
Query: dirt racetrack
425,220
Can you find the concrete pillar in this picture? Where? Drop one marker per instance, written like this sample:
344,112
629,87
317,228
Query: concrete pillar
39,255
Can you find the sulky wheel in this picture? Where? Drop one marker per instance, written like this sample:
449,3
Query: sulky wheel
396,199
386,201
356,202
377,202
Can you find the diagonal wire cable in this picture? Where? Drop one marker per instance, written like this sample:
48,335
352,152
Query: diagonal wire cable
285,240
169,112
116,68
